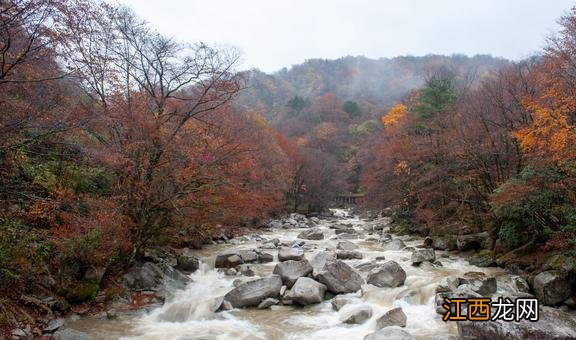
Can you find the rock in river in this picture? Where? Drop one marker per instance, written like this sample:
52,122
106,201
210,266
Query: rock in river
340,277
553,324
312,234
551,287
286,253
395,244
251,293
306,291
393,317
421,255
291,270
357,315
389,274
347,246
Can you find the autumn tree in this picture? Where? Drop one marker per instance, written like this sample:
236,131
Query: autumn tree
145,92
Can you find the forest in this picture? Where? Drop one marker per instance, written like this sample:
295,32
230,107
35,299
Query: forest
115,138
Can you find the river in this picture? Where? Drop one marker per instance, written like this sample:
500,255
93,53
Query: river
187,314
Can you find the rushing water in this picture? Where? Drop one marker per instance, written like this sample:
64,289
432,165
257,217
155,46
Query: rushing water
188,314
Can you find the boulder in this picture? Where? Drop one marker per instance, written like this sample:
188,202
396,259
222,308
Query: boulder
246,269
275,224
340,277
248,256
306,291
187,264
479,283
395,244
389,334
472,241
348,255
53,325
285,254
312,234
551,287
319,260
291,270
421,255
251,293
447,242
448,284
153,277
520,284
366,266
265,257
553,324
357,315
393,317
228,260
267,303
388,274
347,246
340,301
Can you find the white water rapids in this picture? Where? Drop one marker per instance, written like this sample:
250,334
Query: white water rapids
188,315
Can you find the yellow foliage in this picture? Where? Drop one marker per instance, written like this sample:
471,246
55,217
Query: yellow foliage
394,115
550,134
259,119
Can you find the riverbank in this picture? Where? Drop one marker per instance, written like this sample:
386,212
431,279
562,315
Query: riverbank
193,305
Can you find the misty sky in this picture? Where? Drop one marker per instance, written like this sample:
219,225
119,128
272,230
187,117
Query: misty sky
278,33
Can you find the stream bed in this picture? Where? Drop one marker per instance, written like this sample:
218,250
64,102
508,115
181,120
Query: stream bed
188,313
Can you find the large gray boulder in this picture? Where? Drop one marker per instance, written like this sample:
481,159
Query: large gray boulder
229,259
447,242
306,291
551,287
395,244
187,264
248,255
340,301
319,260
286,253
357,315
389,274
471,241
291,270
347,246
154,277
390,333
349,255
340,277
393,317
421,255
479,283
251,293
448,284
553,324
312,234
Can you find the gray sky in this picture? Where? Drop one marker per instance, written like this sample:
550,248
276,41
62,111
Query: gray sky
276,33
